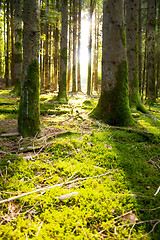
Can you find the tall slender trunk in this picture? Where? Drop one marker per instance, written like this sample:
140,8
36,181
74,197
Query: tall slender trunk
12,44
18,45
74,75
132,54
158,55
140,44
46,56
96,50
7,50
79,50
62,94
89,77
42,71
69,48
151,90
56,47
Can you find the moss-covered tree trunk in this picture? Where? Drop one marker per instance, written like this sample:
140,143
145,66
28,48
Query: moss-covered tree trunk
132,53
62,93
18,45
113,105
29,110
151,31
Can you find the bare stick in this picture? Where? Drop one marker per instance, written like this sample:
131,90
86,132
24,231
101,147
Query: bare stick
157,191
39,228
9,134
53,186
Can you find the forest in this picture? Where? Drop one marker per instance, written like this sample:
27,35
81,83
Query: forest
79,119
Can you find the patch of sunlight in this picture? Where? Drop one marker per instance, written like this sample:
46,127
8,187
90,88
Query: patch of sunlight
77,99
8,116
47,97
148,126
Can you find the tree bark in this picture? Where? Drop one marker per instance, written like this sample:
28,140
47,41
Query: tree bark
151,24
69,48
89,77
12,44
29,110
18,45
132,53
113,105
79,50
62,94
56,47
46,46
74,75
140,44
7,49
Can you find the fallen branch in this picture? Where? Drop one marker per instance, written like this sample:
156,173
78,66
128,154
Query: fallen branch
157,191
10,134
66,196
53,186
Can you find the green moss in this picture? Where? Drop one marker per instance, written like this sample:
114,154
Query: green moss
20,32
29,110
123,35
18,58
18,46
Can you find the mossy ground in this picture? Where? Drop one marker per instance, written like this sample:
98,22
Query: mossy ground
73,146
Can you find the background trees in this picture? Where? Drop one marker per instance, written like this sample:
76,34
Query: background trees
83,69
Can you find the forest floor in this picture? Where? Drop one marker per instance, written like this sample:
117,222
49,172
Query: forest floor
79,178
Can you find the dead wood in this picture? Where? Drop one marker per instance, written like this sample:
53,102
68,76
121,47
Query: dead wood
10,134
56,185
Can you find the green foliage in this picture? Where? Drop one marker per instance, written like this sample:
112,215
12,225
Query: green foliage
129,155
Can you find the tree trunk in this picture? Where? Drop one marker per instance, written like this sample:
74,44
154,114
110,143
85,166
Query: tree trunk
113,105
18,45
12,44
140,44
151,23
7,50
79,50
62,94
158,54
29,111
42,40
46,45
56,47
89,77
69,48
96,51
74,77
132,53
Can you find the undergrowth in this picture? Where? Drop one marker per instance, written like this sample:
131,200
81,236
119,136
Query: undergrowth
95,185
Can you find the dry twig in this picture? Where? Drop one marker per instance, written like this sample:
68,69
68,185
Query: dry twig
53,186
